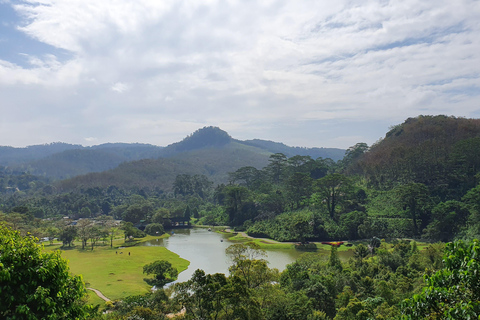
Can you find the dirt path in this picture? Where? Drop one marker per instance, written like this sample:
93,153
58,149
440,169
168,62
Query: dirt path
99,294
173,315
170,315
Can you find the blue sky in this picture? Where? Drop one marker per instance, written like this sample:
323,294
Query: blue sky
306,73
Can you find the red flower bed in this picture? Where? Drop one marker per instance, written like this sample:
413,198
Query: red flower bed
334,244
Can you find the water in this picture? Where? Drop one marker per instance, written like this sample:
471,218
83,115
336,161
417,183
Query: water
206,250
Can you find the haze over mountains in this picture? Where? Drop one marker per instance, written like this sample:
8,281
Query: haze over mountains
210,151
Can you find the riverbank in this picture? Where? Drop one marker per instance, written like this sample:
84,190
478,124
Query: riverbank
266,243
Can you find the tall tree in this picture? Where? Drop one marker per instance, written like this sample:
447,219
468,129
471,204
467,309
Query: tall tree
333,190
162,271
299,188
35,284
277,166
414,197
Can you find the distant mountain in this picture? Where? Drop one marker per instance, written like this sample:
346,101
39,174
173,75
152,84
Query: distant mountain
62,161
216,137
213,162
202,138
277,147
14,156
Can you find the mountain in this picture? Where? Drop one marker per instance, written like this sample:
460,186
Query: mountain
14,156
62,161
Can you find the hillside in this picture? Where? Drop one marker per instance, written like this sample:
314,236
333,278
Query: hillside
439,151
213,162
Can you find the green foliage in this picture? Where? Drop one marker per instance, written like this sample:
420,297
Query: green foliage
131,232
334,190
290,226
162,271
154,229
452,292
36,284
216,297
67,235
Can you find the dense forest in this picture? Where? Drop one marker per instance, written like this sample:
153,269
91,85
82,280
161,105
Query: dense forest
419,182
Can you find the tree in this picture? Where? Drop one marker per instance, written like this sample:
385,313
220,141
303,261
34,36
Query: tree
414,199
188,213
36,284
162,271
52,232
248,265
83,231
112,228
235,196
333,190
130,231
452,292
299,187
67,235
352,154
214,296
94,234
154,229
277,167
250,176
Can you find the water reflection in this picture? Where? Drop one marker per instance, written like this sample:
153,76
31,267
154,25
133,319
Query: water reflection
206,250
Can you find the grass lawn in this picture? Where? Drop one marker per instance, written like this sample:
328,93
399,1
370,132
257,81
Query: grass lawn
113,271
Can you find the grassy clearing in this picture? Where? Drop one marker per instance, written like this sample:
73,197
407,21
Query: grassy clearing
93,299
272,244
114,271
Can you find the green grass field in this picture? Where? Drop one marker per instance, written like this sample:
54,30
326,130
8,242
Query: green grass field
113,271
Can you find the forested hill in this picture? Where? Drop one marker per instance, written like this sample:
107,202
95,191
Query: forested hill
439,151
216,137
214,163
62,161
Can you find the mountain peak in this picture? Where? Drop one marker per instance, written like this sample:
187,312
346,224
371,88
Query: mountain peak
204,137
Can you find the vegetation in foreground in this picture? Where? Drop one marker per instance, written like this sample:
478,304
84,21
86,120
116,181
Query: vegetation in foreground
389,284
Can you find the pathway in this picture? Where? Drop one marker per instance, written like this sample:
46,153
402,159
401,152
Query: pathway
99,294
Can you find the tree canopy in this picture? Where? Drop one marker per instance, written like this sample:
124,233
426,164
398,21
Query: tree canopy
36,284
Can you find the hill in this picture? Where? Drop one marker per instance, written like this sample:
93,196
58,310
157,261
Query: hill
213,162
439,151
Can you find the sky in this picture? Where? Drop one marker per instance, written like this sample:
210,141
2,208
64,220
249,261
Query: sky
305,73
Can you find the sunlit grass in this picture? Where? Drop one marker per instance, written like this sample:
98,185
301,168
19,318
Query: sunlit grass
117,272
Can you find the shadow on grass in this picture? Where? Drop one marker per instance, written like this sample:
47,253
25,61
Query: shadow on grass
306,246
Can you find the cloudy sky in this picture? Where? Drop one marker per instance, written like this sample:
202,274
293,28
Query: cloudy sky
306,73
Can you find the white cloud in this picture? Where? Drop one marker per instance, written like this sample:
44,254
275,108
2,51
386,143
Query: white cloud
249,66
120,87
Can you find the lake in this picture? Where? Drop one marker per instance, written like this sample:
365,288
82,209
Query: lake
206,250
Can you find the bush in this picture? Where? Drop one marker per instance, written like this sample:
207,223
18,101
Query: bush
154,229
